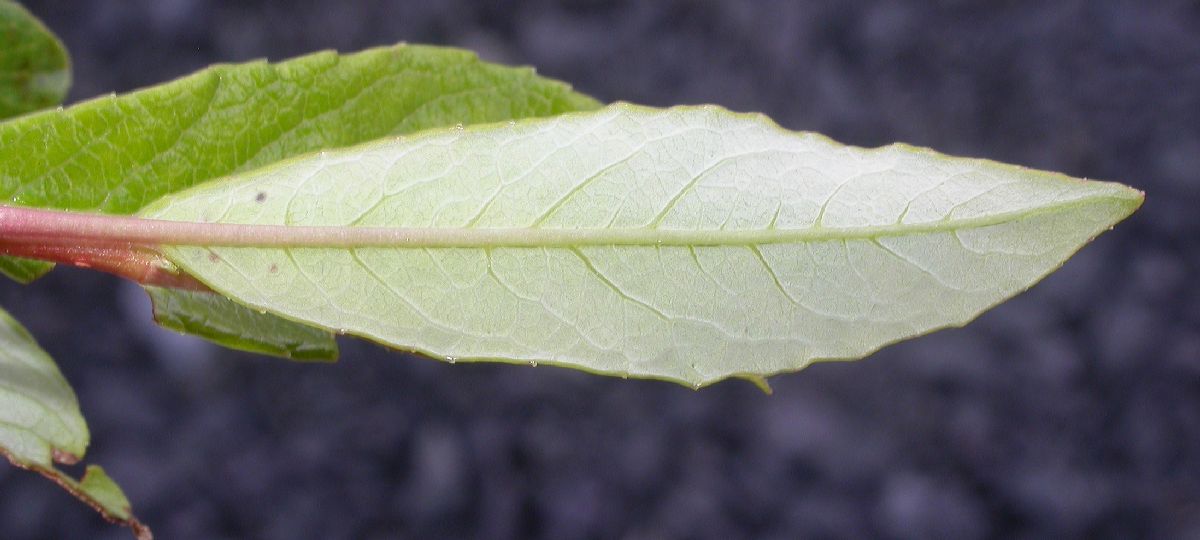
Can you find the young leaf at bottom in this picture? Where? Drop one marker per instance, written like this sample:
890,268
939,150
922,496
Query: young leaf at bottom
688,244
40,424
114,154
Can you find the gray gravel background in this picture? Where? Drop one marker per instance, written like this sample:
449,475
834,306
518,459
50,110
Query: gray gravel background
1071,411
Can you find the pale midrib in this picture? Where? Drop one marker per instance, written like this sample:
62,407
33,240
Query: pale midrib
28,225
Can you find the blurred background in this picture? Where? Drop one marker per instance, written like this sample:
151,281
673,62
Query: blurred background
1070,411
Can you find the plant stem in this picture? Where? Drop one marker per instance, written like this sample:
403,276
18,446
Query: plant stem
130,262
41,235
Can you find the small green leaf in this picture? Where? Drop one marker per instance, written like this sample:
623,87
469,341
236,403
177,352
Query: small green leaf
23,271
688,244
216,318
40,424
100,492
35,71
101,488
114,154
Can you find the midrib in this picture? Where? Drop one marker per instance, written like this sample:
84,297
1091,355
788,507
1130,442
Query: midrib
25,225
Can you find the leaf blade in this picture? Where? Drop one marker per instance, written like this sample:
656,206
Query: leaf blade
689,244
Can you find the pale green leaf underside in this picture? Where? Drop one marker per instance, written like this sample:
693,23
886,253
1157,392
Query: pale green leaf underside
34,69
688,244
114,154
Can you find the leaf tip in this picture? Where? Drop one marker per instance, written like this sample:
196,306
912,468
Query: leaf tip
1123,200
1133,197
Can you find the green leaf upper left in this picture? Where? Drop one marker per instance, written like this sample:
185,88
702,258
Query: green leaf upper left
35,71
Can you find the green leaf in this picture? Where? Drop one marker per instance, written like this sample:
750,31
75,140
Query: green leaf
100,492
216,318
23,271
39,416
688,244
101,488
116,153
35,71
41,425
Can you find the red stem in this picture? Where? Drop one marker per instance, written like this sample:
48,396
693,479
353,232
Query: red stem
139,263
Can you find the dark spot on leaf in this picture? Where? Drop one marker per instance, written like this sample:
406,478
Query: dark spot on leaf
214,257
274,268
262,196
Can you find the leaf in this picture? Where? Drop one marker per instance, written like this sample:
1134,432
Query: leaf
216,318
99,491
116,153
23,271
106,494
39,416
35,71
688,244
40,424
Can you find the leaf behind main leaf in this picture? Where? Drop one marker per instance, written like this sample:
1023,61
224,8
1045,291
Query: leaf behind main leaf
687,244
115,154
217,318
